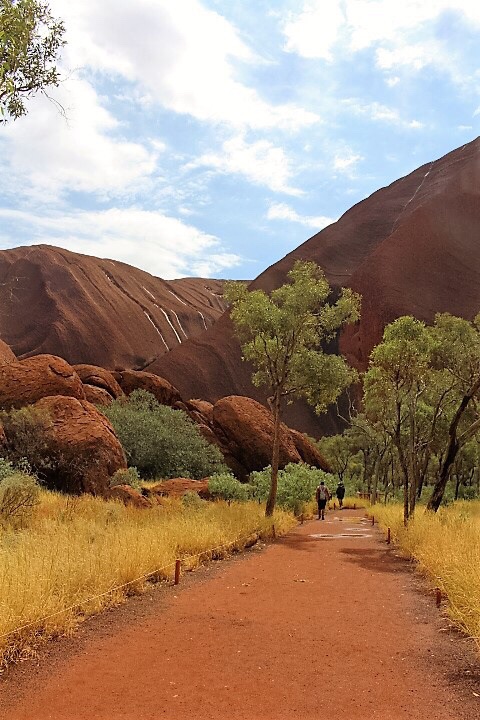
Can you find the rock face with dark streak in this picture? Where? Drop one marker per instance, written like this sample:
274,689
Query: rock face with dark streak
410,248
102,312
26,381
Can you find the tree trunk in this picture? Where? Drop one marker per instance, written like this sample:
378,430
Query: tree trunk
275,456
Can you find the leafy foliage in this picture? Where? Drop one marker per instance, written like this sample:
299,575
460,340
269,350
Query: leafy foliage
296,485
225,487
129,477
30,39
160,441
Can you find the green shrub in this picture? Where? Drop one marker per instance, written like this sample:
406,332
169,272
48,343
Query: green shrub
192,500
296,485
225,487
6,469
19,495
160,441
27,445
129,477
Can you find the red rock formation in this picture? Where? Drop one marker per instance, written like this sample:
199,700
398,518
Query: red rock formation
103,312
99,378
25,381
308,452
97,396
166,394
177,487
6,354
83,445
410,248
128,496
245,429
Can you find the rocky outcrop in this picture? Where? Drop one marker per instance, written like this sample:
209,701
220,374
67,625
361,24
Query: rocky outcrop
129,496
26,381
177,487
245,429
104,312
308,451
97,395
98,377
81,450
165,392
6,354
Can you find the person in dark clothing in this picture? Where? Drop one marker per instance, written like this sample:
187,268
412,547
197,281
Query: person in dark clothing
340,493
323,496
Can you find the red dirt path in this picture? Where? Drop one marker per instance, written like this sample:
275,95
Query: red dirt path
307,628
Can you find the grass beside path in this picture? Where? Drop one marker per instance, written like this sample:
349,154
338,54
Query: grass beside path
76,553
446,546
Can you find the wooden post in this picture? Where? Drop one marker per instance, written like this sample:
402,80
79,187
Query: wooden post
301,519
373,519
273,532
334,505
388,536
438,597
354,506
177,572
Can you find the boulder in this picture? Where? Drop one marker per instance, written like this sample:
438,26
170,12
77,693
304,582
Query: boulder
97,395
308,452
82,451
165,393
245,429
202,408
6,354
177,487
23,382
128,496
100,378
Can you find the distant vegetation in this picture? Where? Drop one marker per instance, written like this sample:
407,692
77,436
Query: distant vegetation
161,442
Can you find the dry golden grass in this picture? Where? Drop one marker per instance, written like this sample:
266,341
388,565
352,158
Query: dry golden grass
76,552
446,546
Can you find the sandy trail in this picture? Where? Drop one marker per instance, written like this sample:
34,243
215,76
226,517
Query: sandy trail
310,627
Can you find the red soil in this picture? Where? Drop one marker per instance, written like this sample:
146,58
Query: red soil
308,628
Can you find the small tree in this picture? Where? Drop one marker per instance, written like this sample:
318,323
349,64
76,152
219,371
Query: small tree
281,334
30,39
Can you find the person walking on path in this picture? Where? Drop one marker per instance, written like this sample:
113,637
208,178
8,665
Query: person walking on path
340,493
323,496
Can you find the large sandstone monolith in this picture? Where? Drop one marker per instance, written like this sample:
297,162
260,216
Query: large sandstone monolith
245,429
23,382
81,450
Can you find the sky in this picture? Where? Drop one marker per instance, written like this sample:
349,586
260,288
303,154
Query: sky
212,137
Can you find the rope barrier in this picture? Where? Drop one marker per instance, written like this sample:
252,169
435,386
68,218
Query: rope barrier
145,576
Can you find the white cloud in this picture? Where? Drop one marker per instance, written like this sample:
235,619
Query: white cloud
181,54
261,162
346,160
48,154
281,211
403,33
162,245
381,113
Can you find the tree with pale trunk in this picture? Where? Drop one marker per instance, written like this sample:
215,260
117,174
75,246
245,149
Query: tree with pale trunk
282,334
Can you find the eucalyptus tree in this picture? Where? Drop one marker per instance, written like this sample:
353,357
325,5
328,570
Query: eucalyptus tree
281,335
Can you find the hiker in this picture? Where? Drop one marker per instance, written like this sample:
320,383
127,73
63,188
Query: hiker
340,493
323,496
